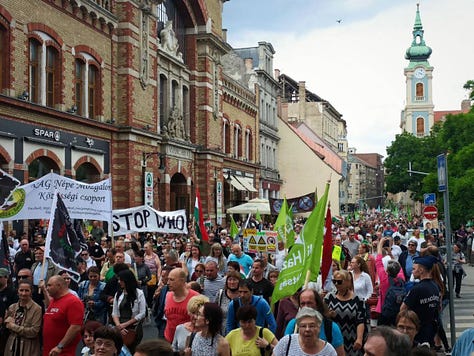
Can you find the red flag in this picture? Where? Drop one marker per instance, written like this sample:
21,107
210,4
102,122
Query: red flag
327,248
201,231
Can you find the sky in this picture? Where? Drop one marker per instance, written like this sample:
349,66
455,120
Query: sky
357,65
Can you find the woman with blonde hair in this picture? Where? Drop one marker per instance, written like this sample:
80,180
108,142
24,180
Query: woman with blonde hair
184,330
348,311
217,255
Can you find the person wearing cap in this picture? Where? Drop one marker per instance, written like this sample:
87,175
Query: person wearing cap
424,299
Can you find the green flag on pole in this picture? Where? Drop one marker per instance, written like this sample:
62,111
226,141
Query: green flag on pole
234,229
258,217
284,225
305,256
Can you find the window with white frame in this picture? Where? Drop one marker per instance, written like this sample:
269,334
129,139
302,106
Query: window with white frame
44,69
237,136
87,82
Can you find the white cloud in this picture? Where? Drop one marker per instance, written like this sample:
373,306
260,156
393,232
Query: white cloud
357,65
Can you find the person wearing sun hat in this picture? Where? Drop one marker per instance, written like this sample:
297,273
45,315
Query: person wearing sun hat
424,299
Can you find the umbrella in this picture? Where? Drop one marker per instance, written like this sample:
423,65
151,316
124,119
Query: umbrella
252,206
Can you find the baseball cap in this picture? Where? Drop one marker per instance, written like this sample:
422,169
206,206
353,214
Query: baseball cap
4,272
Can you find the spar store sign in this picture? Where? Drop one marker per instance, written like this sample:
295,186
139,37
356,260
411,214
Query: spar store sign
144,218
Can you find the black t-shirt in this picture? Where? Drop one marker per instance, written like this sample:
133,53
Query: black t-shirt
8,296
97,252
424,300
263,288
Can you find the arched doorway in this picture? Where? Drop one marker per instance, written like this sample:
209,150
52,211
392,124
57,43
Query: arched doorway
41,166
179,196
87,173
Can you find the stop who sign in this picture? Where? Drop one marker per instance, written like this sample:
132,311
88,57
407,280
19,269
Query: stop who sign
430,212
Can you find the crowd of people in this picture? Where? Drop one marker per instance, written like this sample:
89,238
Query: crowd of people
385,295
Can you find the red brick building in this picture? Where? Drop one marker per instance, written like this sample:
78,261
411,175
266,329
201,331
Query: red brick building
126,88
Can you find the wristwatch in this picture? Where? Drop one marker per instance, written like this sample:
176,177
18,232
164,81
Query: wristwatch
268,347
60,346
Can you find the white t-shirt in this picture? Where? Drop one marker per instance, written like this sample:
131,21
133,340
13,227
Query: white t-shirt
295,348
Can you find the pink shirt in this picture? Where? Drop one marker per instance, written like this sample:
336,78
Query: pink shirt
383,282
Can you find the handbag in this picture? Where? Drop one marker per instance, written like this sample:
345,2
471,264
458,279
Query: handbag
153,281
130,337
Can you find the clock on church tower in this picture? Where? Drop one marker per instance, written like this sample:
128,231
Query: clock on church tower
417,117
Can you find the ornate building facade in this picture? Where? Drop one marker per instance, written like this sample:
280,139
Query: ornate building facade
126,89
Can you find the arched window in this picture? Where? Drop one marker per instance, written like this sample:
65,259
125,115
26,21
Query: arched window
420,126
248,145
40,167
87,173
237,141
44,70
226,136
420,95
87,86
164,109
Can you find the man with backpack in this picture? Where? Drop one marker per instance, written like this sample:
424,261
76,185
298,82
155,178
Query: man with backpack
329,331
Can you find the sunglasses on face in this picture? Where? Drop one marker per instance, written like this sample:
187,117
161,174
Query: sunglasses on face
337,281
22,277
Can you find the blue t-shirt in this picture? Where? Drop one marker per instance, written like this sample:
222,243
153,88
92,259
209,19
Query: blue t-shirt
245,262
337,339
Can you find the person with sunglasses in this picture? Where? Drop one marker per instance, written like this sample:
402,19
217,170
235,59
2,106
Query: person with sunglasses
348,311
406,258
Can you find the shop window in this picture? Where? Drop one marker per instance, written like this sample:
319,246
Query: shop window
87,173
40,167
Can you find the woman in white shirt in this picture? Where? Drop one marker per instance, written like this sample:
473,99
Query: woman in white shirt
363,287
129,309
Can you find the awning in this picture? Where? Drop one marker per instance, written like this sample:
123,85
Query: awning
247,183
236,184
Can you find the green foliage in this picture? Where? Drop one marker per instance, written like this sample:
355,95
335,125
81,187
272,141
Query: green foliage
454,136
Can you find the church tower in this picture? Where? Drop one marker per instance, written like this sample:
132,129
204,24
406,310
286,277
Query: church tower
417,118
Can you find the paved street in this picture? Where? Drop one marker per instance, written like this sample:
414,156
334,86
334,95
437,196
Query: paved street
464,306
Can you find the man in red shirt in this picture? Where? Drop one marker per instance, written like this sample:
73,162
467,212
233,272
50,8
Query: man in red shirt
62,320
176,304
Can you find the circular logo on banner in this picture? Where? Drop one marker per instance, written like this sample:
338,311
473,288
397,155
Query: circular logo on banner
305,203
270,240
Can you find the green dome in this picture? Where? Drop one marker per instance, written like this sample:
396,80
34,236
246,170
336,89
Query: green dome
418,51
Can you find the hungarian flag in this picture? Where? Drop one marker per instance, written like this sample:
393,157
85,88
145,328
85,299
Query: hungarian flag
201,231
62,244
327,248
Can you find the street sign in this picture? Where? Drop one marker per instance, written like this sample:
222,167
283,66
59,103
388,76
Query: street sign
429,198
148,188
430,213
442,174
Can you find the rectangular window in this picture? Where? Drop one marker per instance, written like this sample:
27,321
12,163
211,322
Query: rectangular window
34,72
3,54
50,76
92,91
79,91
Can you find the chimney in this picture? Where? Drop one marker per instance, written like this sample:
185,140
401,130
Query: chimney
302,91
248,64
465,105
276,74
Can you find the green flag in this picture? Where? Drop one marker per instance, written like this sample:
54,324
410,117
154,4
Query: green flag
305,255
234,229
284,225
258,217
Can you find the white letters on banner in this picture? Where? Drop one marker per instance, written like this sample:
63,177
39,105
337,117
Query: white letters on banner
82,200
144,218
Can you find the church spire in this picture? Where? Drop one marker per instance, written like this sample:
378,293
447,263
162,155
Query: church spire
418,51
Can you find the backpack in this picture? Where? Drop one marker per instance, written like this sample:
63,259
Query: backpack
393,300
